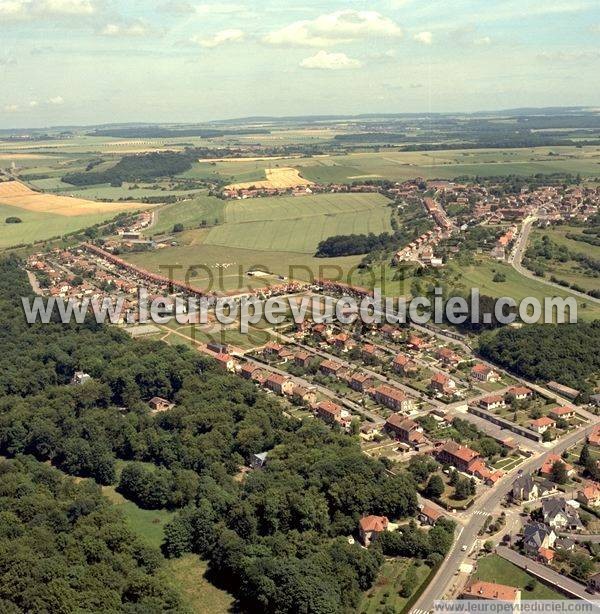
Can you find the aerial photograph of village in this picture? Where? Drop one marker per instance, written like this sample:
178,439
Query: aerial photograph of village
300,306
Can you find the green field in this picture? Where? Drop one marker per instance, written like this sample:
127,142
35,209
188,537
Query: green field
39,226
298,224
278,235
494,568
398,165
480,275
191,213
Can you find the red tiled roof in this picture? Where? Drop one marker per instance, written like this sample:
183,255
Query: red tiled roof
373,523
491,590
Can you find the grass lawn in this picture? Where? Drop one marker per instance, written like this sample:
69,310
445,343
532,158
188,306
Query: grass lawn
494,568
480,274
187,574
147,523
191,213
386,590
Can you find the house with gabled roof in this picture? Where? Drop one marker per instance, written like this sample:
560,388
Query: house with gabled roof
370,527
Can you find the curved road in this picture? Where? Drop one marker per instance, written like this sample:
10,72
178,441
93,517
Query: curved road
516,257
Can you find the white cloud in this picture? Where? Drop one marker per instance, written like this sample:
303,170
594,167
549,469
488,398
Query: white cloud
56,100
11,108
135,28
220,38
30,9
33,103
424,37
219,8
333,28
483,40
568,56
330,61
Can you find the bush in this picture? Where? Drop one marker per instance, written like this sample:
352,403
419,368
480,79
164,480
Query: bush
13,220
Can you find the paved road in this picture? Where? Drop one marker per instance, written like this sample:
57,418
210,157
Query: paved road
409,391
354,407
575,589
485,505
516,258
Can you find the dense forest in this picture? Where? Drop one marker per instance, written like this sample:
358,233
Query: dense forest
566,353
277,537
144,167
65,548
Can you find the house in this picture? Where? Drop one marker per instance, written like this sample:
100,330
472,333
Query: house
225,362
490,591
448,357
369,352
361,382
405,429
564,543
546,487
595,400
389,331
520,393
461,457
404,365
545,555
302,358
562,413
561,515
258,461
79,378
417,343
342,341
279,384
392,398
158,404
330,367
594,437
329,411
589,495
551,459
369,527
492,401
272,349
429,514
276,350
537,535
249,371
566,391
541,425
443,384
524,489
303,395
483,373
481,471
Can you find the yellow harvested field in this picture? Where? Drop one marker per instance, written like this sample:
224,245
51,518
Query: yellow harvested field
17,194
282,178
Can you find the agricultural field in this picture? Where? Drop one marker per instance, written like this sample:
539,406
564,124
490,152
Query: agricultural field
398,165
278,235
276,178
298,224
202,210
44,216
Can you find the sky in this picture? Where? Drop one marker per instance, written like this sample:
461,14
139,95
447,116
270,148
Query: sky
69,62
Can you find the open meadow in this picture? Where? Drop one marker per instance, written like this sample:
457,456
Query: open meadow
45,216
